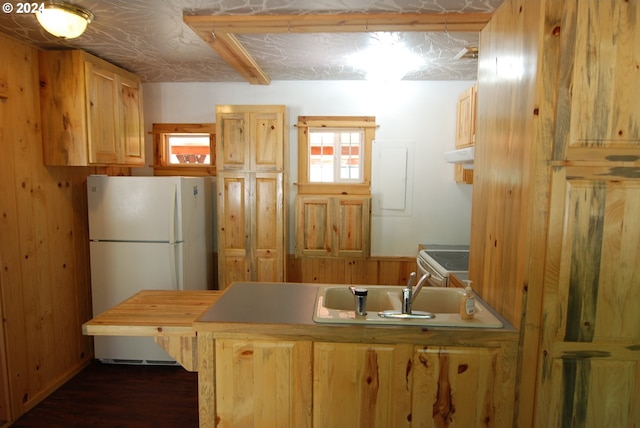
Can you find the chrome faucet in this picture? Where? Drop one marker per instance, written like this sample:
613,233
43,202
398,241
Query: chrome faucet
409,293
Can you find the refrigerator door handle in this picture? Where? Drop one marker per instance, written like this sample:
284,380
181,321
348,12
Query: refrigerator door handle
174,263
172,215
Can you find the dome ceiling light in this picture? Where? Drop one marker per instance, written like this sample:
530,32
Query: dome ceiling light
64,20
387,59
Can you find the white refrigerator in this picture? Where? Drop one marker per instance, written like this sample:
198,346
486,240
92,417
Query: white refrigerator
146,233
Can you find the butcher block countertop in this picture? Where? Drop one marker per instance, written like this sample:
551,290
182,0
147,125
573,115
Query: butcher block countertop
153,313
168,316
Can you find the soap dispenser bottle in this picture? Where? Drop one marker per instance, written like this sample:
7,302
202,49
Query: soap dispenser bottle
467,303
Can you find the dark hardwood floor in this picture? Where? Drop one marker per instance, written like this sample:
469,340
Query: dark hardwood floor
107,395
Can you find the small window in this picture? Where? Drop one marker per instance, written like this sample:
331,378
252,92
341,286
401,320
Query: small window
334,154
184,148
188,149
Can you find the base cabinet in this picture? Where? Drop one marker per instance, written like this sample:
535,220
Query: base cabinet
327,384
263,383
361,385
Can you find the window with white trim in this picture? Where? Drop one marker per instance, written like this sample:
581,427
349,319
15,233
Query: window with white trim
334,154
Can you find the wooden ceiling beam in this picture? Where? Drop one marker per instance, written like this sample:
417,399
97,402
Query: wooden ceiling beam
219,30
234,54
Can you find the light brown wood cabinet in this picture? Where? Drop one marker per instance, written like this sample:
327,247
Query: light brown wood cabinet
466,118
251,227
250,154
263,383
251,138
91,111
362,385
466,130
333,226
327,384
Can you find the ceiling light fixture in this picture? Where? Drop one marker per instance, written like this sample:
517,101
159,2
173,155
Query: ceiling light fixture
387,59
64,20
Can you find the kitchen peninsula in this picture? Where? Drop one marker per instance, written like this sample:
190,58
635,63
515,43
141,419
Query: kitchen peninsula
262,361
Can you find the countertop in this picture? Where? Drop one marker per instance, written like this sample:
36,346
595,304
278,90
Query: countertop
153,313
286,309
264,303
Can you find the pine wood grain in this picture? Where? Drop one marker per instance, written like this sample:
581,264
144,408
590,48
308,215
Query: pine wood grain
153,313
44,253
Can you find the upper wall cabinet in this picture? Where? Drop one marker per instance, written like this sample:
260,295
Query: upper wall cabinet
466,130
466,119
91,111
250,139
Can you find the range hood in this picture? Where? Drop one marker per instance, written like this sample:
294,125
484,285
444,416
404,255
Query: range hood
463,157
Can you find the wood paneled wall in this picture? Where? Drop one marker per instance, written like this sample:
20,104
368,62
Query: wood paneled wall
501,211
44,252
372,271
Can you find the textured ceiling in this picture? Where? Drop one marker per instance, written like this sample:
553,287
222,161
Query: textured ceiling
150,38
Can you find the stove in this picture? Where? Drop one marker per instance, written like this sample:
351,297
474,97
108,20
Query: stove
442,260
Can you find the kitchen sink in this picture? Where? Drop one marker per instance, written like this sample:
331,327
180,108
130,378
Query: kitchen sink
336,304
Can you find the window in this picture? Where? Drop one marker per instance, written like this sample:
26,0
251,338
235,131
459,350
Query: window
188,149
334,154
185,149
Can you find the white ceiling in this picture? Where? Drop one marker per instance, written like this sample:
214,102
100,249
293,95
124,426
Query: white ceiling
150,38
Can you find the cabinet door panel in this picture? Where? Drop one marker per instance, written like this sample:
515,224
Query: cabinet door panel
465,123
353,227
313,228
269,226
263,383
232,142
102,104
267,145
131,122
600,99
361,385
233,221
460,387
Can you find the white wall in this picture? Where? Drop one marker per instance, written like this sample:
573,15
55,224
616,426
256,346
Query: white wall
418,114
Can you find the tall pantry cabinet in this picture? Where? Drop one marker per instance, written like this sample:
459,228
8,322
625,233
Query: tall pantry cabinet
251,158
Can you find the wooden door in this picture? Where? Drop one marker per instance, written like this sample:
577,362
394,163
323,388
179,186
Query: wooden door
233,223
590,368
361,385
103,115
589,371
463,387
131,122
263,383
268,222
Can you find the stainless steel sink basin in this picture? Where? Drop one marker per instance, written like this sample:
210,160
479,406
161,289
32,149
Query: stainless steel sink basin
336,304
